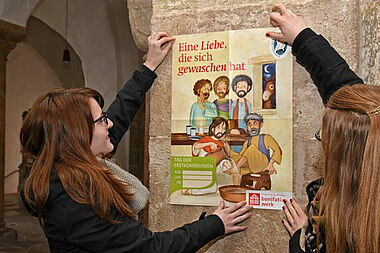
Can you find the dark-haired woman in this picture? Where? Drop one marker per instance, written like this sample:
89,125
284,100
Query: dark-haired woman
86,204
344,206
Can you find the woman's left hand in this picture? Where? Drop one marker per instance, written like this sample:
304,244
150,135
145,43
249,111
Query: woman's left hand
159,45
295,217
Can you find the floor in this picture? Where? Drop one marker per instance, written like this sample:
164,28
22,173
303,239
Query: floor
31,238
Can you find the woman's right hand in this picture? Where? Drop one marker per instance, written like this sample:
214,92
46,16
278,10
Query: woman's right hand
159,45
233,215
289,23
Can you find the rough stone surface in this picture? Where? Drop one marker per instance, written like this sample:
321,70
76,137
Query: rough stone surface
341,22
369,56
140,12
161,101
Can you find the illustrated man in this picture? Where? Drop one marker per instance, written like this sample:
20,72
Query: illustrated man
241,85
221,89
202,112
215,145
255,156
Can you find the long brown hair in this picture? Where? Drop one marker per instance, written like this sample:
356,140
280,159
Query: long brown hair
350,196
57,132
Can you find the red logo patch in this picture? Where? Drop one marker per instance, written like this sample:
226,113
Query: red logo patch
254,199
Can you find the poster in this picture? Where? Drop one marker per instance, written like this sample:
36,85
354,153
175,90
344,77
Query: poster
231,130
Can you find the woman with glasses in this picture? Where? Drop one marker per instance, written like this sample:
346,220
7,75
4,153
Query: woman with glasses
344,206
88,204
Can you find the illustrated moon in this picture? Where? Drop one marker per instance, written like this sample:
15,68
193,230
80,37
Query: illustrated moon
266,69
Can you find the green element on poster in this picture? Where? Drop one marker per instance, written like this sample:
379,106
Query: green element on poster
192,172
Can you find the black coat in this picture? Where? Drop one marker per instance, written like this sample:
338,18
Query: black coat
73,227
329,72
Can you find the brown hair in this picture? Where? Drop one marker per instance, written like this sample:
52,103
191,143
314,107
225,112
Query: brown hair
216,122
199,84
57,132
350,196
224,79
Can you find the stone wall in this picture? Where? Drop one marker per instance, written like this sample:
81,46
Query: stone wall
369,40
351,26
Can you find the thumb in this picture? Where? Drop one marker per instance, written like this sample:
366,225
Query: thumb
275,35
221,205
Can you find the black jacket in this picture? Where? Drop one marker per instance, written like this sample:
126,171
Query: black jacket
329,72
326,67
73,227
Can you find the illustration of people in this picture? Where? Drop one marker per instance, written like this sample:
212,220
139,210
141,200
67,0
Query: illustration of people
241,85
215,145
202,112
255,156
221,89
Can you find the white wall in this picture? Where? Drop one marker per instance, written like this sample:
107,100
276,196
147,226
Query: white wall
16,11
27,77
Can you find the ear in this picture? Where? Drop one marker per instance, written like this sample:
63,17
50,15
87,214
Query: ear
261,124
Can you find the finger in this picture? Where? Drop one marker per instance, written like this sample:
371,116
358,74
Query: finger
161,34
280,8
288,215
221,205
236,206
161,42
287,225
275,35
276,17
164,40
241,218
274,23
235,229
241,211
168,46
296,206
291,209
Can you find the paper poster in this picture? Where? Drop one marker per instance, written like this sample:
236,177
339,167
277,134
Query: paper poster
231,126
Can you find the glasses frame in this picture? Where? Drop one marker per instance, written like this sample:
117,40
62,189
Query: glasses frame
104,118
318,135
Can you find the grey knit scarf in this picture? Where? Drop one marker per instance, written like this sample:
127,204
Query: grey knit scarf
140,192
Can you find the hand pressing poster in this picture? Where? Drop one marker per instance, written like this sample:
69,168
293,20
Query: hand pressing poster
231,132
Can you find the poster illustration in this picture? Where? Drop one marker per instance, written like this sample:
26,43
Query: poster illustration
231,130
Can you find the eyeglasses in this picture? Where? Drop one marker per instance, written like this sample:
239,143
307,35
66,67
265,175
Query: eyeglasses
103,118
318,135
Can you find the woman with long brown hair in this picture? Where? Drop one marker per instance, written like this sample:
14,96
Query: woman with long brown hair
344,206
87,204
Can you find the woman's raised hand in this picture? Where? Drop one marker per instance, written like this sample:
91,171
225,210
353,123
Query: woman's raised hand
289,23
159,46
